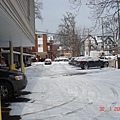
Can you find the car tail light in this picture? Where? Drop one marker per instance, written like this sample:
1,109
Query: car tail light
78,62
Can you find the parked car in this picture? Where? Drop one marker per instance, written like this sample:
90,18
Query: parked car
41,59
61,58
48,61
87,62
71,61
109,57
11,82
28,62
75,60
56,59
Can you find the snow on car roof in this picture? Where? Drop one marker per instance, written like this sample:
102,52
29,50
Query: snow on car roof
47,59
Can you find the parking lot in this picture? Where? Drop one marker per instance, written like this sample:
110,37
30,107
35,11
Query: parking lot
61,91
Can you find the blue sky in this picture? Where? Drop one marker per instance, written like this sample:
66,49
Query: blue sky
53,11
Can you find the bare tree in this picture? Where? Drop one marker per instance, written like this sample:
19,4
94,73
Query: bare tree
67,34
104,8
105,17
106,12
100,8
111,27
75,5
38,8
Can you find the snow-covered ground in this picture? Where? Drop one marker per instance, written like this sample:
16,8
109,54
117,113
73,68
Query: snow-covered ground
64,92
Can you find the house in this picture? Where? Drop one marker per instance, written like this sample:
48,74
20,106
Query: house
94,46
64,52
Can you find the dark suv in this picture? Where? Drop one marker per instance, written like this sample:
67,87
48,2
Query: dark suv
11,82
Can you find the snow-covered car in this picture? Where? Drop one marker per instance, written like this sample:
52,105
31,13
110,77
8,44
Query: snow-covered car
56,59
75,60
61,58
48,61
71,61
109,57
87,62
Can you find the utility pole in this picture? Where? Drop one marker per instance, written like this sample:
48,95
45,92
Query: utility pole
102,33
118,26
89,42
118,35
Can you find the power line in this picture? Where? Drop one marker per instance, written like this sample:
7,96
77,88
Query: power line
53,33
43,32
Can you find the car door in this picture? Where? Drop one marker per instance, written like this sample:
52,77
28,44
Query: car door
97,62
90,61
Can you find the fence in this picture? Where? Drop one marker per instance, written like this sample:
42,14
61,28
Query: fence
112,63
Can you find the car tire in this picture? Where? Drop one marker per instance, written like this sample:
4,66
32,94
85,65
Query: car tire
82,68
86,66
6,90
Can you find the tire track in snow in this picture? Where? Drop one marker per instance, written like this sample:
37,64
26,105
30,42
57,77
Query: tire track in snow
112,104
89,99
60,105
50,108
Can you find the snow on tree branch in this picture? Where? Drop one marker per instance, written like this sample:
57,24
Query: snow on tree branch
38,8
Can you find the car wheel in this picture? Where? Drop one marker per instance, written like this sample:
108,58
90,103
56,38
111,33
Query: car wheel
86,66
82,68
6,90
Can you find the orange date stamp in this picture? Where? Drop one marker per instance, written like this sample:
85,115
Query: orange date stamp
116,108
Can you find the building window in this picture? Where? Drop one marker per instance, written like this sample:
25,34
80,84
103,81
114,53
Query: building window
40,45
39,36
109,42
49,48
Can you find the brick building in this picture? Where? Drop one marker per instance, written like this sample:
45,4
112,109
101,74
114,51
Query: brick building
44,48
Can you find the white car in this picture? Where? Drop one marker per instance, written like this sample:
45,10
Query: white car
61,58
111,57
48,61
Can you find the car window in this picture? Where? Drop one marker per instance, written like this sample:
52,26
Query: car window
90,59
95,59
76,58
80,58
84,59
